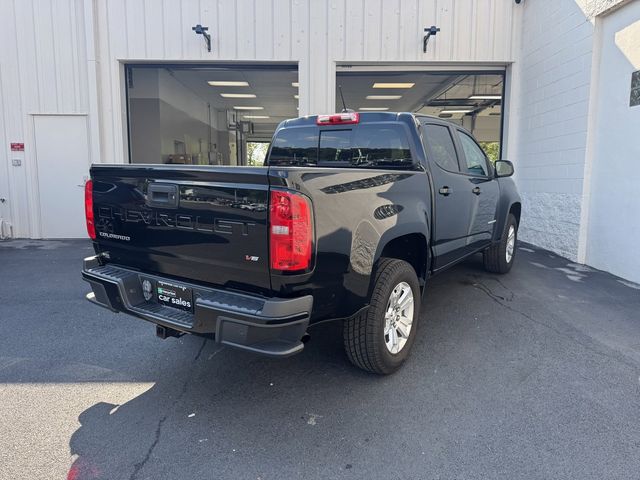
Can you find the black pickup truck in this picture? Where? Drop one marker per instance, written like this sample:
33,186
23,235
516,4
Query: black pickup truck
347,221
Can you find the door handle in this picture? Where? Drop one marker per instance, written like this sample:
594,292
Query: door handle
476,190
446,191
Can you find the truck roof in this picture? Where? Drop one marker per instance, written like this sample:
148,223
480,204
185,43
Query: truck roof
365,117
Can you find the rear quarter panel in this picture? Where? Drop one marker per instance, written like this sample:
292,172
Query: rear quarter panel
356,211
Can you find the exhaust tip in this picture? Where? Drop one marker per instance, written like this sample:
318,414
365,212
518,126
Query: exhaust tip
305,338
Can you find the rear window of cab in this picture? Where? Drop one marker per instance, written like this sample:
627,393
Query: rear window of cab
364,146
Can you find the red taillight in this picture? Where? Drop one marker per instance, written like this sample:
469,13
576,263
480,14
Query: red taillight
290,231
338,119
88,209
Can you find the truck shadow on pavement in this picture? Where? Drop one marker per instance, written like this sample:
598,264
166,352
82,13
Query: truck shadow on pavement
245,416
471,386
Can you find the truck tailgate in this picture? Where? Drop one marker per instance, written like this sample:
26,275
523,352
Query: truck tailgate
206,224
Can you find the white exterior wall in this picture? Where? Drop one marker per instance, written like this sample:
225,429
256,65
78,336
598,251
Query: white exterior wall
557,67
555,75
315,34
612,199
43,70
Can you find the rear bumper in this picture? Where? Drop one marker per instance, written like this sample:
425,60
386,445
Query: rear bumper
269,326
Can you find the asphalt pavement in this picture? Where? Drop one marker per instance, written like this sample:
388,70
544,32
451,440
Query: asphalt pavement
533,375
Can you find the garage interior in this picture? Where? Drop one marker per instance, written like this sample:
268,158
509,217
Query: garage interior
207,115
470,99
226,114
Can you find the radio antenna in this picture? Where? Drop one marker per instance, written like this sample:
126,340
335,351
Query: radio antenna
344,104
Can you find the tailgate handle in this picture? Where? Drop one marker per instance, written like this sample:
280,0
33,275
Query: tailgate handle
162,195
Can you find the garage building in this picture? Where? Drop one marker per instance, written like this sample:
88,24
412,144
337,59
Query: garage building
553,85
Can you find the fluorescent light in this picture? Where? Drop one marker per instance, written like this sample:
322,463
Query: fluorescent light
224,83
373,109
238,95
295,84
255,117
248,108
457,111
296,96
392,85
384,97
485,97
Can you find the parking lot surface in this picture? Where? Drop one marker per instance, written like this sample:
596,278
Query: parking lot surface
535,374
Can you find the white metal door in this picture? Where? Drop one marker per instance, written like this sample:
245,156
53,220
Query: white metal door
62,157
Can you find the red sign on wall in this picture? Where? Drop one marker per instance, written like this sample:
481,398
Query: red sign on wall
17,147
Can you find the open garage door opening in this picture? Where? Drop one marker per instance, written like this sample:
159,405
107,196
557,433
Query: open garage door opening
207,115
471,99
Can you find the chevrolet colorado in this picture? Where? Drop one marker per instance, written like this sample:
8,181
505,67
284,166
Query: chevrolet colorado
347,221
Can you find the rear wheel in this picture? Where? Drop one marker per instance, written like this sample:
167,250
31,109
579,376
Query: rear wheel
380,339
499,258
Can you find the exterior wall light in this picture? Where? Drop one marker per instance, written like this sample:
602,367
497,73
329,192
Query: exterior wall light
200,30
431,31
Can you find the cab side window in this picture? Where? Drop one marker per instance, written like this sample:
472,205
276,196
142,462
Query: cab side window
474,156
439,141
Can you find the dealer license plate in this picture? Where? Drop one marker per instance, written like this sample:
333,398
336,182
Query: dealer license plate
175,296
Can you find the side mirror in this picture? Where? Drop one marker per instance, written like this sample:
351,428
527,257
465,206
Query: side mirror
504,168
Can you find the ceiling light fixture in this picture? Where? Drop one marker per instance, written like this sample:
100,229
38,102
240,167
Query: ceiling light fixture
247,108
296,97
384,97
457,111
255,117
392,85
225,83
238,95
295,84
373,109
485,97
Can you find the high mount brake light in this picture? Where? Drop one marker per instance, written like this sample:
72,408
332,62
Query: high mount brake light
339,119
290,231
88,209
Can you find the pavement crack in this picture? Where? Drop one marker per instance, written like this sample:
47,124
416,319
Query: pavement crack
499,300
138,466
489,292
512,294
204,342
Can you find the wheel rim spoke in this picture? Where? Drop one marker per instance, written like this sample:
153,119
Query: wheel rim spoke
511,242
406,299
398,317
403,330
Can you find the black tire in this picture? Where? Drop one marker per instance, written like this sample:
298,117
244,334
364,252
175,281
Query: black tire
364,336
495,257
